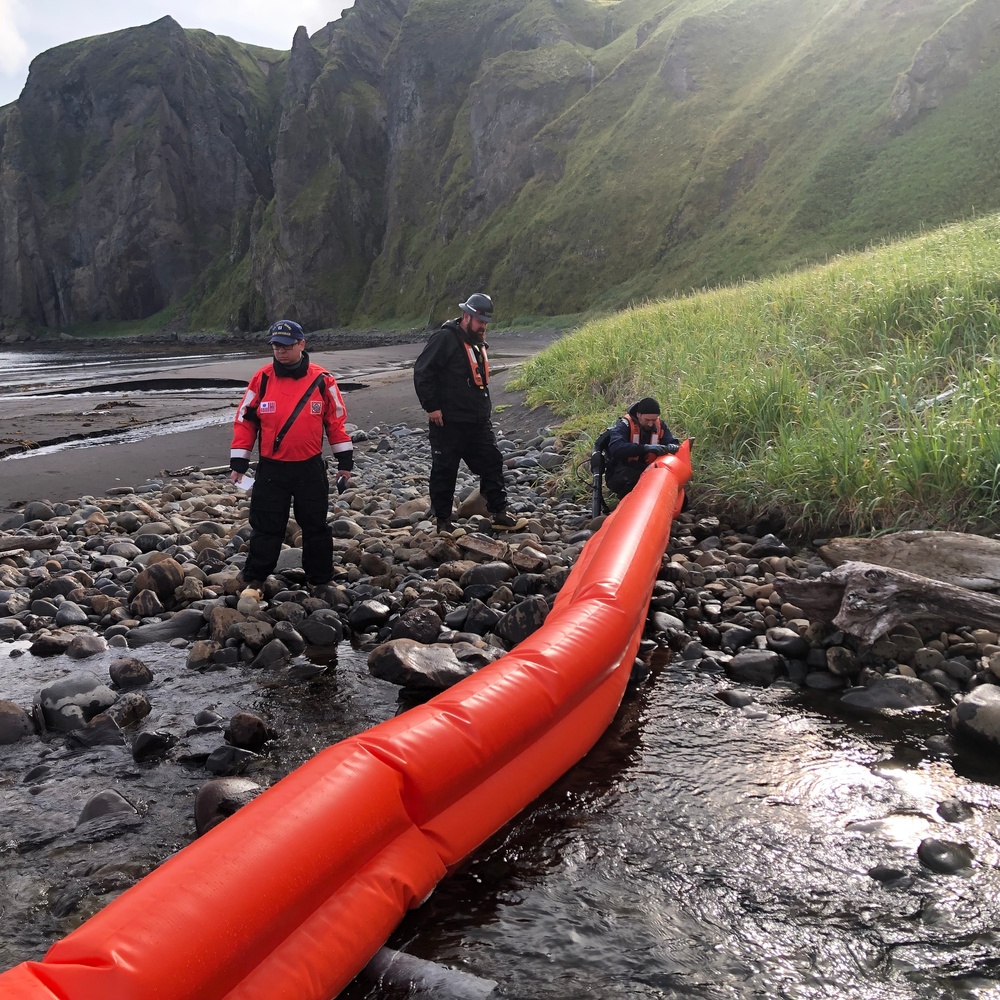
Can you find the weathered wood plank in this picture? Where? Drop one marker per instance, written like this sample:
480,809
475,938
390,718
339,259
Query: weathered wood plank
14,542
966,560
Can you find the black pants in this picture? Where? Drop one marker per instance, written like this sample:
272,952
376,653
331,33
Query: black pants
476,445
621,479
304,487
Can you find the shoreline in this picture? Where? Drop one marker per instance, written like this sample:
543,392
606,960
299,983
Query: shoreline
385,397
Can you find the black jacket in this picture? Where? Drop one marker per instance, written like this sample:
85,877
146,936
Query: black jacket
443,379
623,450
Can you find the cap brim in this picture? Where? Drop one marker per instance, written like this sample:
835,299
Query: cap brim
284,341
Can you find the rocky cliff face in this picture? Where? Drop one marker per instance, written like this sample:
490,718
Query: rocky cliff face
966,44
558,153
158,169
313,256
121,168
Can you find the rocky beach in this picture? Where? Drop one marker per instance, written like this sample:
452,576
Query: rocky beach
39,423
141,701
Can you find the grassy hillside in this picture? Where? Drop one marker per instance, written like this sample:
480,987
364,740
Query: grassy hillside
695,143
570,157
856,396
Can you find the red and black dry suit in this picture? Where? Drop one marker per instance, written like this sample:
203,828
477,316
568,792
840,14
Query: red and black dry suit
452,375
627,455
291,471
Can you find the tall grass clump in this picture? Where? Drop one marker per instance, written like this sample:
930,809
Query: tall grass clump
855,397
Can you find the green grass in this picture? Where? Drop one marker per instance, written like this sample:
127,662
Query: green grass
103,331
678,146
858,396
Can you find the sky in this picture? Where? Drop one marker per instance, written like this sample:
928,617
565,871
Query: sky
30,27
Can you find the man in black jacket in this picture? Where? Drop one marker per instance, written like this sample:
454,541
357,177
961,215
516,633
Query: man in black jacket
451,377
637,439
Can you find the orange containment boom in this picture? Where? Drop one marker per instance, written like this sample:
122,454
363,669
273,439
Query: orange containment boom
294,894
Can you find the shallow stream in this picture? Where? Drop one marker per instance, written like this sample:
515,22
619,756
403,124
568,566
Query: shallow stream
702,851
698,851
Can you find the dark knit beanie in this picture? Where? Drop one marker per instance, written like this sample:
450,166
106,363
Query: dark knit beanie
647,405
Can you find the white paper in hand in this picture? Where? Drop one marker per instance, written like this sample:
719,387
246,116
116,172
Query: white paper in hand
245,482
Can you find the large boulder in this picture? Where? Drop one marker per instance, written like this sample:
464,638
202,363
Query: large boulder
895,692
977,715
70,702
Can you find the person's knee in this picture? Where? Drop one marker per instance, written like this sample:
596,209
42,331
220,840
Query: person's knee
317,534
621,483
269,523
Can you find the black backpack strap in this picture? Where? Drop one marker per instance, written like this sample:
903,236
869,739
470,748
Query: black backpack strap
599,453
299,407
250,412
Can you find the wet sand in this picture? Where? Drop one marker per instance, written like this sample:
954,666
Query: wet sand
383,395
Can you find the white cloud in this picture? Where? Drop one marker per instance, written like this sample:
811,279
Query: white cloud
14,51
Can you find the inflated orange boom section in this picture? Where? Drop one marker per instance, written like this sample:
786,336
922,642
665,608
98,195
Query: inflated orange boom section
291,896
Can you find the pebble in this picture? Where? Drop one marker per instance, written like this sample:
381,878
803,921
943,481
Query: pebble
160,564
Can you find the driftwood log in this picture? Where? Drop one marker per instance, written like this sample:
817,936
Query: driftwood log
146,509
25,542
869,601
966,560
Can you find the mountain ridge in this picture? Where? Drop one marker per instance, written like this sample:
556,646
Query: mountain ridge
565,155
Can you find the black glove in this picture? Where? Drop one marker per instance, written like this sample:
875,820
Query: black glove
654,449
673,448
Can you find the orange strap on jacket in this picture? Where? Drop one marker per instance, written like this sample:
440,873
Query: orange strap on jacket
480,375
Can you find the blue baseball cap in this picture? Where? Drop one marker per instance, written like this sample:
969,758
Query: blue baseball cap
285,332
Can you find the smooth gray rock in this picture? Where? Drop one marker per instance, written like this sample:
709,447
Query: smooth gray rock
220,798
71,701
433,667
322,628
894,692
15,723
977,715
944,856
181,625
755,666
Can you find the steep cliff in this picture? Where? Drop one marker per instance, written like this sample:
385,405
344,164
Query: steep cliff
311,255
963,47
122,167
562,154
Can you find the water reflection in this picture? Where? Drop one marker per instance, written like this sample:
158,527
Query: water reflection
49,369
696,853
52,879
